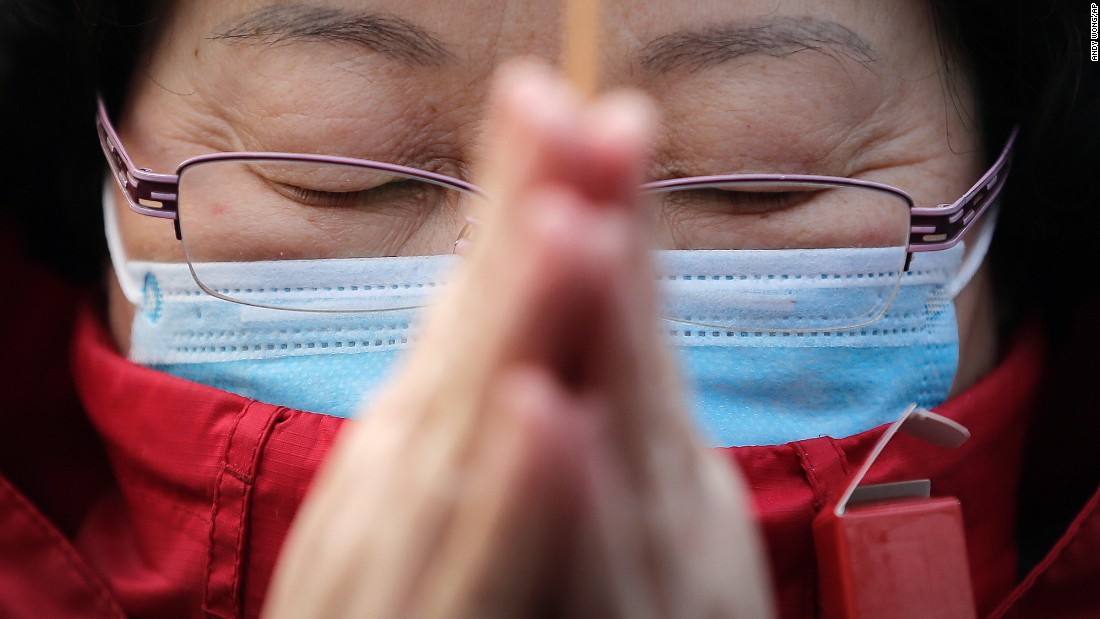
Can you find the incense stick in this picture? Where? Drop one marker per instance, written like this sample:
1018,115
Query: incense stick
581,45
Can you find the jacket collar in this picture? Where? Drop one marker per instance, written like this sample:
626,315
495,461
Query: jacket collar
209,481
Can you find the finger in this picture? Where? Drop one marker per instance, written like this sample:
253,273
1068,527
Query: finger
523,317
638,558
539,134
630,360
573,249
543,263
529,109
530,113
559,307
509,540
367,527
617,131
554,247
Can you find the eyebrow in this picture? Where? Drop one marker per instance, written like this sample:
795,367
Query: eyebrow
385,34
775,37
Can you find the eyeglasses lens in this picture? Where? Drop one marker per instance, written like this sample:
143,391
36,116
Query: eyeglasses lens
267,216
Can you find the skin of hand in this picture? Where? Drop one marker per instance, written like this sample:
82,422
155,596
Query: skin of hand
534,454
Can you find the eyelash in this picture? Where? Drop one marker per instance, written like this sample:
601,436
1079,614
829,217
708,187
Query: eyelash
757,203
344,199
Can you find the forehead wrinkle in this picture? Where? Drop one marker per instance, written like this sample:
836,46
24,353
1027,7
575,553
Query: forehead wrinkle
775,37
389,35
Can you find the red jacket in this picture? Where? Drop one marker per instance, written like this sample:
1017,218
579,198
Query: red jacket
155,497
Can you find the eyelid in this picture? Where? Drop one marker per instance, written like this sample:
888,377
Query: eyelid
664,168
447,166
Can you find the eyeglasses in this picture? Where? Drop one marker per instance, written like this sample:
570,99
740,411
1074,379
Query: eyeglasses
263,210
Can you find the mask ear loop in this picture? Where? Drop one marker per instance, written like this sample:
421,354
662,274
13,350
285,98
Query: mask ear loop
980,248
130,289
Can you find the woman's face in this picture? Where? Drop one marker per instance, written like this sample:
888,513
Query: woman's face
845,88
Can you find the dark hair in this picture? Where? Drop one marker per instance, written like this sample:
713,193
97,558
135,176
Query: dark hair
1030,64
1029,61
54,56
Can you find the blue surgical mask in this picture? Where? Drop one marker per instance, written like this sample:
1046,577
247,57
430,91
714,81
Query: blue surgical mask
747,388
764,388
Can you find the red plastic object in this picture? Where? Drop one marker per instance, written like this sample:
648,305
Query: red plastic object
894,559
888,551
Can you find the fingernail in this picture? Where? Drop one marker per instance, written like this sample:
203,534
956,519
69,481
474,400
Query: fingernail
623,120
534,96
610,235
530,107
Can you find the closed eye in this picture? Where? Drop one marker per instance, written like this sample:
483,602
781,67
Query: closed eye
735,201
403,193
362,198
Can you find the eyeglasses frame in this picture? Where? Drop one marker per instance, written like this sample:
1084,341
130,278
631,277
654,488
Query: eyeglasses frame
930,228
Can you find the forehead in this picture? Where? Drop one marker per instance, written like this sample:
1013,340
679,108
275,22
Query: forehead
805,86
638,38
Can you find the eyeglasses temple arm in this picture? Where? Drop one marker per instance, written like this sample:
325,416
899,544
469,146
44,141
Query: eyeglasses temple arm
147,193
942,227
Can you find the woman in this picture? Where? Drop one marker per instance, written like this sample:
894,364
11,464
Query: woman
549,321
